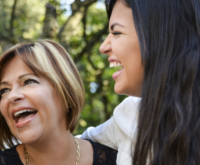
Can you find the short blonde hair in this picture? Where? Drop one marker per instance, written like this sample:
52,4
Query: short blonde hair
49,59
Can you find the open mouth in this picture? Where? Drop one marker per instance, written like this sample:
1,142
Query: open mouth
118,68
24,115
116,64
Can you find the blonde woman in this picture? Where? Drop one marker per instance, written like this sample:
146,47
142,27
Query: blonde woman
42,96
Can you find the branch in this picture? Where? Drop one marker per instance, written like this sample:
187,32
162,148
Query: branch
4,16
100,81
92,42
90,61
4,38
105,102
12,19
78,11
88,2
84,3
50,28
84,28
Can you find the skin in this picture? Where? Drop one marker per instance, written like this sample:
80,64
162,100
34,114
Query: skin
122,46
45,137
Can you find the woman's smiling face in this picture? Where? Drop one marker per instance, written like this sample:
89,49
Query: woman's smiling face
122,47
22,90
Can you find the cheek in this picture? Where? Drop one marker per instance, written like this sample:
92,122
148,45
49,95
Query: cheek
4,108
118,49
37,94
125,47
45,100
5,113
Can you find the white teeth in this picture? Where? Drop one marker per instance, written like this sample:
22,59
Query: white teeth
16,114
115,64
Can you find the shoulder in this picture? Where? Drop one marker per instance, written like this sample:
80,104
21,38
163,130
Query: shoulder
3,159
10,157
125,119
103,155
127,105
128,110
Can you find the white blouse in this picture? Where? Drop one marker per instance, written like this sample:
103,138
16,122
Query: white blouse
119,132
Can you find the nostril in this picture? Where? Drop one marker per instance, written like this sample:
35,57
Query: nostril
18,99
105,48
15,97
106,52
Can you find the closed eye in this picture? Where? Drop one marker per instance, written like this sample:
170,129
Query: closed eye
30,81
116,33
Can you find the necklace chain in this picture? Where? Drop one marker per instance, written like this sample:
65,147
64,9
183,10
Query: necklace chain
78,154
26,156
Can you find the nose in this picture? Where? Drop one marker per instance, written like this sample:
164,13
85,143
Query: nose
15,96
105,47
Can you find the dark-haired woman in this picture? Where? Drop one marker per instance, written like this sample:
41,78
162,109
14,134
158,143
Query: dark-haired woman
157,43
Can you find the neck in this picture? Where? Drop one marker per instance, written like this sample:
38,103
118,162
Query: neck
53,150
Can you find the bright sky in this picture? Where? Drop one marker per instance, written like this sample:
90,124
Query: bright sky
66,4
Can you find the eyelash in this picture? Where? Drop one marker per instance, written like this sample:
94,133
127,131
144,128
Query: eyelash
2,91
116,33
26,82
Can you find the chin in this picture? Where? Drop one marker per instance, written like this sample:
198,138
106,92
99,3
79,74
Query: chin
120,90
128,91
29,136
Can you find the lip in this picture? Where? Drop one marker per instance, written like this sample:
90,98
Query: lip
22,124
117,74
19,109
111,59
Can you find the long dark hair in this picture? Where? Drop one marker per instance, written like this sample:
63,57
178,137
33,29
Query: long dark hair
169,116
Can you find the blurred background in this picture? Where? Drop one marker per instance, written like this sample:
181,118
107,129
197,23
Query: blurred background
78,25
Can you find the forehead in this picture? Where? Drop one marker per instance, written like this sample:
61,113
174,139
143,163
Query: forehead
121,14
14,67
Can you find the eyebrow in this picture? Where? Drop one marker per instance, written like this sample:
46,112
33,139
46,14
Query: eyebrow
115,24
20,77
24,75
3,83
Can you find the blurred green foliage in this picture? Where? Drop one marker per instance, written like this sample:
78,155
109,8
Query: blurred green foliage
23,21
